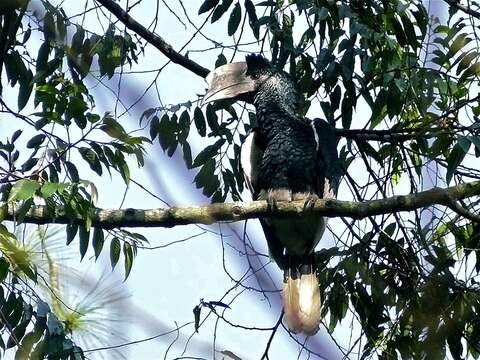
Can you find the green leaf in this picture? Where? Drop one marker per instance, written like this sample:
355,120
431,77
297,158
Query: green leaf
4,266
98,241
128,255
398,30
221,60
212,120
23,189
234,20
166,132
25,90
472,70
466,61
71,232
154,127
207,6
48,189
184,126
92,159
464,142
208,153
113,128
458,44
335,97
187,154
29,164
252,18
196,315
16,135
454,159
200,123
84,236
72,171
220,10
409,31
114,252
36,141
347,110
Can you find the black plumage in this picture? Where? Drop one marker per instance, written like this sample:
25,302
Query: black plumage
286,157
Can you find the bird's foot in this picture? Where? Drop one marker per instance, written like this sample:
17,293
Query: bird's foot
309,198
274,196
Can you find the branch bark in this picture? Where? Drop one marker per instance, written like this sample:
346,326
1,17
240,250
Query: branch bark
466,9
110,218
165,48
400,135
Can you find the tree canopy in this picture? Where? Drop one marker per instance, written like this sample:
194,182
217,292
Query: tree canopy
399,85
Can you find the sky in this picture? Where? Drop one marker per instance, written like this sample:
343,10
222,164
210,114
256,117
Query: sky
166,283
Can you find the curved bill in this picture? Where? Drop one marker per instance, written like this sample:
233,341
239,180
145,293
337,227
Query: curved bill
228,81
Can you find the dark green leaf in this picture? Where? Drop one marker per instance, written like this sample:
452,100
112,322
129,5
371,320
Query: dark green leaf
36,141
71,232
199,120
219,303
29,164
72,171
154,127
25,90
212,120
234,20
84,236
98,241
208,153
115,249
207,6
220,10
128,256
16,135
4,266
221,60
196,314
252,18
187,154
92,159
454,159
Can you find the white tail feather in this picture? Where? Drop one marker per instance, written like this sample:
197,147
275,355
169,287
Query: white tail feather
302,303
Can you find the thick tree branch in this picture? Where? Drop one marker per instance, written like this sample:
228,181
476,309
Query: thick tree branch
106,218
165,48
466,9
400,135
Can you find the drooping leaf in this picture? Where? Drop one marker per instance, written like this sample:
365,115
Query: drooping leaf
234,20
207,6
115,249
128,256
71,232
84,237
23,189
220,10
199,120
97,241
36,141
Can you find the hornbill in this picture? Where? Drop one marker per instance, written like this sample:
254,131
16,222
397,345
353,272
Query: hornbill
286,157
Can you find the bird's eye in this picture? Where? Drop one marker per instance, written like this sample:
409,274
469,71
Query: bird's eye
255,76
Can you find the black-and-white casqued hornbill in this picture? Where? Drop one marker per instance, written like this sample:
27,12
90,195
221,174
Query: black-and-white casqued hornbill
286,157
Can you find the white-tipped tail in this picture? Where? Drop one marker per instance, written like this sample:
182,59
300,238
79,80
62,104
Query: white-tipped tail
302,303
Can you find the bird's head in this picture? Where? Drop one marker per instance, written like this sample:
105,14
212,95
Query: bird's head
255,81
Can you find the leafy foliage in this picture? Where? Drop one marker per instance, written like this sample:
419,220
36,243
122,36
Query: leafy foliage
398,88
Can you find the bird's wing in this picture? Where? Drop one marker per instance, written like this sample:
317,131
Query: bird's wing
250,156
328,161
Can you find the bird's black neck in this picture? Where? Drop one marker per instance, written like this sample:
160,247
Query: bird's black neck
273,117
